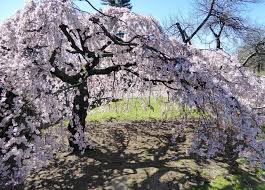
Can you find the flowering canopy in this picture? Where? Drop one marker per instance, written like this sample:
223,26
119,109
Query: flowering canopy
63,61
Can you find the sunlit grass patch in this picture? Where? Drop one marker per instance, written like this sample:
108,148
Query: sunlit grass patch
261,73
140,109
241,181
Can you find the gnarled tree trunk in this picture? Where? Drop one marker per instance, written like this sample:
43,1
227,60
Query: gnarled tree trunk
78,122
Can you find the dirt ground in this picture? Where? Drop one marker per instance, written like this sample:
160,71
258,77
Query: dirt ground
129,155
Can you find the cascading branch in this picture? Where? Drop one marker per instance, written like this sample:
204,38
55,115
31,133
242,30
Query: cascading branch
20,139
227,97
65,62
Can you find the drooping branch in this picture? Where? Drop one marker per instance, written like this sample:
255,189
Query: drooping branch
118,41
166,83
148,79
115,39
162,55
110,69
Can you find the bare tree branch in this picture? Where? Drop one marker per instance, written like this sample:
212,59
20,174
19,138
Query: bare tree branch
202,23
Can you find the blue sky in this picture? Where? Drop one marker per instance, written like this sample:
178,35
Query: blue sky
160,10
156,8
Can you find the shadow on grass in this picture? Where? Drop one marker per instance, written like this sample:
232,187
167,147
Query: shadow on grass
145,165
241,180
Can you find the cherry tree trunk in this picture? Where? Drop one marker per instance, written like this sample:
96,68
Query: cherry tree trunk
231,155
78,122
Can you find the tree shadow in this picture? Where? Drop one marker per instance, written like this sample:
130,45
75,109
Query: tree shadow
141,164
106,168
239,180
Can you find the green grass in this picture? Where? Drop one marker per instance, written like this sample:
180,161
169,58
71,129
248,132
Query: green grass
261,73
233,182
263,128
139,109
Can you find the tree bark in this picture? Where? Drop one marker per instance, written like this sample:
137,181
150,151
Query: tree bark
203,22
78,121
218,42
217,36
231,155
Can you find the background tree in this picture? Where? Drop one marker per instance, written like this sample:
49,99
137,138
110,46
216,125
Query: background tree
189,30
252,53
223,20
118,3
227,21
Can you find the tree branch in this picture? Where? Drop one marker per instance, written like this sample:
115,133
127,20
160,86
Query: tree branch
110,69
64,28
147,79
202,23
113,38
60,74
183,33
247,60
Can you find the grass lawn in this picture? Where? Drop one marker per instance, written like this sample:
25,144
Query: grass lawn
240,181
261,73
136,109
